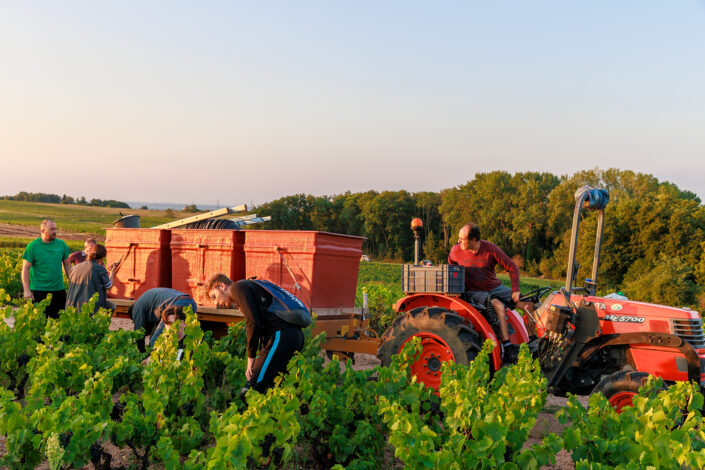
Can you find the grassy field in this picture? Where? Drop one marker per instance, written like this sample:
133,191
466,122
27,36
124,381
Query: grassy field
75,218
14,242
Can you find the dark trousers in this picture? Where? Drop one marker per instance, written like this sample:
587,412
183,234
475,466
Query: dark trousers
274,357
58,301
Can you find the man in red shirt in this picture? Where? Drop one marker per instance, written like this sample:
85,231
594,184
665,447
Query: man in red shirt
480,258
78,257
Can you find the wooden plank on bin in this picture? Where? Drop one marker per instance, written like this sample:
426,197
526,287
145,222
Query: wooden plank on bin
219,312
223,315
207,215
222,318
363,346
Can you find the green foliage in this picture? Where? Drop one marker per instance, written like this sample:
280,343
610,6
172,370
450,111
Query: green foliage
72,377
388,274
262,435
192,208
18,342
481,423
339,422
661,430
84,388
380,302
10,269
224,373
434,249
55,199
172,407
666,281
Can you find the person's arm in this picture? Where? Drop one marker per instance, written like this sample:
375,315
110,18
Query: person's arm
249,307
112,271
511,269
67,267
250,366
253,327
25,279
138,318
108,276
451,259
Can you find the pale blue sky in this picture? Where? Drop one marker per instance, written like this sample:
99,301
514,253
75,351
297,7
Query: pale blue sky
236,102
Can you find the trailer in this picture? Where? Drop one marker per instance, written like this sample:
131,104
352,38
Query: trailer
320,268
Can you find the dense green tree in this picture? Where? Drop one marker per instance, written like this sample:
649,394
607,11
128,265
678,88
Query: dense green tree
289,213
529,215
666,280
191,208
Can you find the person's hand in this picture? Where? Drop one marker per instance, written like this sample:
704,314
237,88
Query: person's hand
515,296
249,372
113,266
28,295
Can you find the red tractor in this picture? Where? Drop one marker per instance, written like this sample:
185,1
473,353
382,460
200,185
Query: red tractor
584,343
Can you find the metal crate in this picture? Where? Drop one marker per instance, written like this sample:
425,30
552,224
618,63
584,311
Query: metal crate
444,278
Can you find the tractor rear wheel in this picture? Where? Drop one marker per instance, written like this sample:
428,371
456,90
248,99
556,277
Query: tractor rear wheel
445,336
621,387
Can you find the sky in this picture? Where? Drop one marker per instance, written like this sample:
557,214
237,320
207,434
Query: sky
229,102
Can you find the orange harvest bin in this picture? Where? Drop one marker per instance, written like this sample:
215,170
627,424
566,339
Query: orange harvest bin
324,264
196,255
145,260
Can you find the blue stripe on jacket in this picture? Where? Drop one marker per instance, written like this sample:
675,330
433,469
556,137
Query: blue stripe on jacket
269,356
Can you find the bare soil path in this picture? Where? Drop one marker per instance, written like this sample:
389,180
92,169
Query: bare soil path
25,231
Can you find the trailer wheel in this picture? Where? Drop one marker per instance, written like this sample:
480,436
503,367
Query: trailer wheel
621,387
445,336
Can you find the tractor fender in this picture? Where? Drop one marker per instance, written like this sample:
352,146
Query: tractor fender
521,334
466,311
664,340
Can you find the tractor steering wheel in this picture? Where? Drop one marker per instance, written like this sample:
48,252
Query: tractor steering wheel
534,296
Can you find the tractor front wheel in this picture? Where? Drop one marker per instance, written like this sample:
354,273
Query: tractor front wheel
621,387
445,336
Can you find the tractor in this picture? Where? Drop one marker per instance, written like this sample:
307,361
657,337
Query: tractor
584,343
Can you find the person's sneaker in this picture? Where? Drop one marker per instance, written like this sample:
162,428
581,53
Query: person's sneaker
510,354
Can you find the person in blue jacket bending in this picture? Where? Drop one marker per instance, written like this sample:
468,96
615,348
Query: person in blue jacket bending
146,311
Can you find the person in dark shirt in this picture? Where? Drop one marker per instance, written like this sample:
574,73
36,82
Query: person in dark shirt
146,311
80,256
89,277
480,258
271,341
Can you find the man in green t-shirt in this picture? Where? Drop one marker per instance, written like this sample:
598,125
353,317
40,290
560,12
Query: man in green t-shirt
41,268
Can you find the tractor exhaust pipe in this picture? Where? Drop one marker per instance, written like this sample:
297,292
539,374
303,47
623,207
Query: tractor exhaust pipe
416,226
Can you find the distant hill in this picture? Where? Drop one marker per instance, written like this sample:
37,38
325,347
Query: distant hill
177,206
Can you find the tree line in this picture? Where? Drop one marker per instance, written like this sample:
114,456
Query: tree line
653,240
64,199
